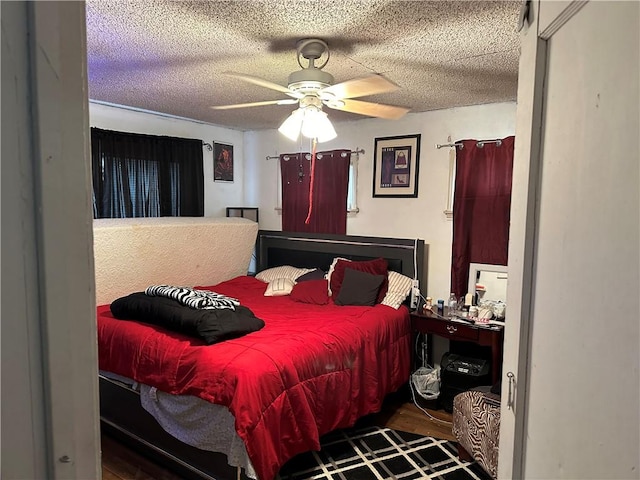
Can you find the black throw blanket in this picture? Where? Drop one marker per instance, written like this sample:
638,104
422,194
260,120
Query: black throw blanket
210,325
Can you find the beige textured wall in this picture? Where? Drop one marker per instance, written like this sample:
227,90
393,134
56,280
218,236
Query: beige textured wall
133,253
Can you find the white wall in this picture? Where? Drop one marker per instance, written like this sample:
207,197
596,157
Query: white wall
217,195
420,217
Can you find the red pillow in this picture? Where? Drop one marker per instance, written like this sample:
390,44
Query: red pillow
311,291
376,267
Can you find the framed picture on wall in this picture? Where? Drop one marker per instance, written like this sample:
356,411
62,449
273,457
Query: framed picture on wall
395,166
222,162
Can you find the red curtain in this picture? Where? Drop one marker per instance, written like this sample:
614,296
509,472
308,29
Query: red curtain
481,208
329,201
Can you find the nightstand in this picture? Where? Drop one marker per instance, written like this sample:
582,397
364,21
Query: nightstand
486,335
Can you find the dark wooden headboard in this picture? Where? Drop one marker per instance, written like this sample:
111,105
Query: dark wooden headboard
275,248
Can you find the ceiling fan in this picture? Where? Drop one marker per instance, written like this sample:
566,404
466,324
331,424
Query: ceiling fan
312,88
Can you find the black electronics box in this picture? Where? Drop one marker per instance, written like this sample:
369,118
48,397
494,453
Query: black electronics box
459,374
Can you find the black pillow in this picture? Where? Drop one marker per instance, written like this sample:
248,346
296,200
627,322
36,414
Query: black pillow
211,325
359,288
316,274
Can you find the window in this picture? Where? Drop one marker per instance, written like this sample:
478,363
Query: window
352,198
138,175
448,211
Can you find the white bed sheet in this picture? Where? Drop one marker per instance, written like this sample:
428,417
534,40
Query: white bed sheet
193,421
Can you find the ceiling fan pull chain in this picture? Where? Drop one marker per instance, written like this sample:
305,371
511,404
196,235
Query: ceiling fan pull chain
314,144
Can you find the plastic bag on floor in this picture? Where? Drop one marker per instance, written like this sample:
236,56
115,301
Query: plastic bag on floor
426,381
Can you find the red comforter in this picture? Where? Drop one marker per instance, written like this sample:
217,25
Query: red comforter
310,370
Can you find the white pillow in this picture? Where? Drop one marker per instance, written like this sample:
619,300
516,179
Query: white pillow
331,269
279,287
399,289
285,271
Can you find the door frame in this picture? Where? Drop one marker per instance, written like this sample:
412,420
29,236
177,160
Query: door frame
545,18
50,422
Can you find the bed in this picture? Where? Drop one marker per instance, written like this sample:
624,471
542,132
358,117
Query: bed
311,369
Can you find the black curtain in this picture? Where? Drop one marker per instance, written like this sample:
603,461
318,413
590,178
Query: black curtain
137,175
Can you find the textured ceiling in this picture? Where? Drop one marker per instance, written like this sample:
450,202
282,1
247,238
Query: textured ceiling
168,56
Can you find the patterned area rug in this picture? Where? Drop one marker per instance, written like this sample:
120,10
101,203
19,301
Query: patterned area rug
373,453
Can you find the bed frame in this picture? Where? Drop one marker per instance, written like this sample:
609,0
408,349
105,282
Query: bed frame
276,248
123,417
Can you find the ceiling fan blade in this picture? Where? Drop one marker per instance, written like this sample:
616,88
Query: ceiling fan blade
262,83
286,101
378,110
359,87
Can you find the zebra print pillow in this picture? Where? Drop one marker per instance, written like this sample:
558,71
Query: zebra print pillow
202,299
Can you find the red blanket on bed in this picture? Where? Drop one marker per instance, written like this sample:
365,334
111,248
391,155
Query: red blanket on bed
310,370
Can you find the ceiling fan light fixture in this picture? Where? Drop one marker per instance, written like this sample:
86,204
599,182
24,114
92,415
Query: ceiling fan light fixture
311,122
316,124
290,128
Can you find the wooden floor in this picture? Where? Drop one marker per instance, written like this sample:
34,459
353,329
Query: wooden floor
121,463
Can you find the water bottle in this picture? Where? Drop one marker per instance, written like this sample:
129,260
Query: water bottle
452,305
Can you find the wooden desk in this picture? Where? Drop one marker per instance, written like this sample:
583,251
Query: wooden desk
465,332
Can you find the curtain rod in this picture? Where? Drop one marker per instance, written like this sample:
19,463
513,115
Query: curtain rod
480,144
357,151
208,145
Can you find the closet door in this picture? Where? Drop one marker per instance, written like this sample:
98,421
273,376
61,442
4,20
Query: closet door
574,261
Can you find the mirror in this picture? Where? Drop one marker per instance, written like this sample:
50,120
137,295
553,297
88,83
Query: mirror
489,282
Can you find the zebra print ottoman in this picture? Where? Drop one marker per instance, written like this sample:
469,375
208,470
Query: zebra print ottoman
476,427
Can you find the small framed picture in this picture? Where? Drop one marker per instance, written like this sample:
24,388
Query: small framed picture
222,162
395,166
